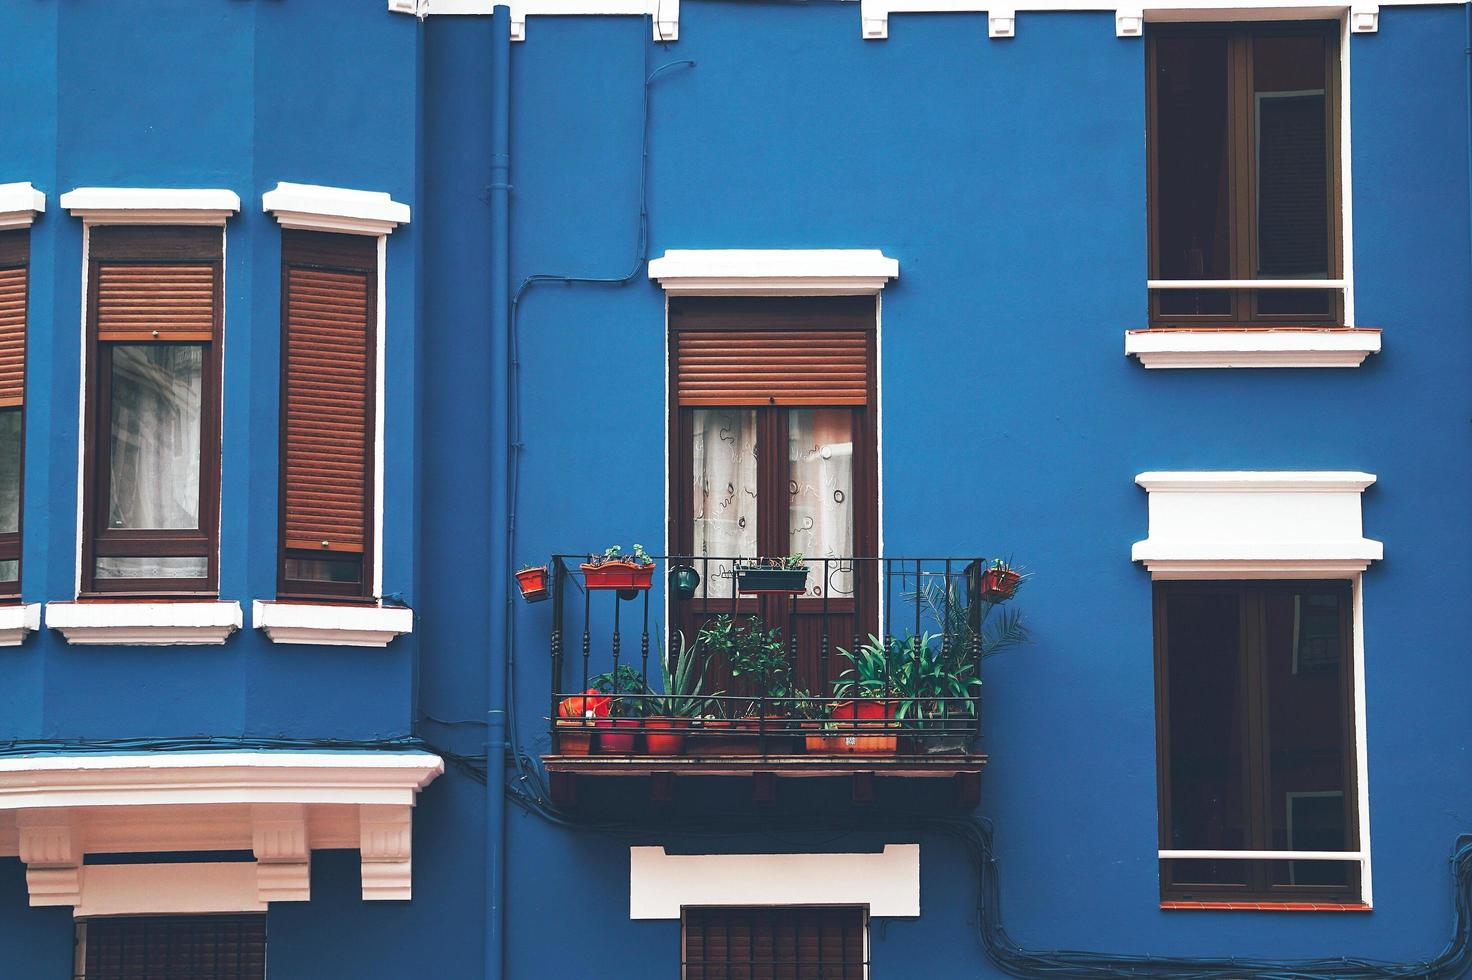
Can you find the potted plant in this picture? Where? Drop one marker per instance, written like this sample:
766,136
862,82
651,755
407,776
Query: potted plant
611,570
779,575
574,719
868,691
618,726
672,712
756,656
999,582
532,580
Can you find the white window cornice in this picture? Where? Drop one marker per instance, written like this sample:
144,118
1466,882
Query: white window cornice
326,624
1252,524
773,272
144,623
315,207
1252,347
661,883
19,204
151,205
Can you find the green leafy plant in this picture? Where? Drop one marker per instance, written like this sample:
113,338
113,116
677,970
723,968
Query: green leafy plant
680,695
754,652
615,553
624,681
793,562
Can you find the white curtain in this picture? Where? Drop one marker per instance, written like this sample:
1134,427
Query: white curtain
157,397
820,458
725,492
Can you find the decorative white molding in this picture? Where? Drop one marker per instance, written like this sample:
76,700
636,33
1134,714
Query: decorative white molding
144,623
773,272
17,622
19,204
312,207
1364,18
660,883
329,625
1129,22
1001,22
665,14
1245,524
151,205
167,889
279,805
1229,347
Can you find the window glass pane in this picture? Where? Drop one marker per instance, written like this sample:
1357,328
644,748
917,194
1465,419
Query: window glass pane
1304,651
820,487
152,567
156,403
1291,129
1208,808
10,456
9,570
1191,173
1295,302
323,570
1194,302
725,492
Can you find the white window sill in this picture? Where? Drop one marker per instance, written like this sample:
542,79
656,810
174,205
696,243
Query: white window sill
324,624
1252,347
17,622
144,623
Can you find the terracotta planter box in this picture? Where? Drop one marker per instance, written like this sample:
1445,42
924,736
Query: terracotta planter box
853,744
999,585
625,576
533,583
574,736
668,742
617,736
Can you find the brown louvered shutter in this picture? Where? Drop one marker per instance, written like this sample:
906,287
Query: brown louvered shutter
330,297
156,283
14,258
773,351
798,943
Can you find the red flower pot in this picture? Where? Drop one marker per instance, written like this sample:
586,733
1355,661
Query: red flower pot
533,583
870,710
998,584
627,577
670,740
574,737
620,742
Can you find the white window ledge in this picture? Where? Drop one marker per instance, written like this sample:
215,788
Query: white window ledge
144,623
17,622
19,205
1209,525
331,625
773,272
660,883
312,207
280,806
151,205
1248,347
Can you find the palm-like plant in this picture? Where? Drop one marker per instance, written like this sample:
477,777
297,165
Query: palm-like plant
680,687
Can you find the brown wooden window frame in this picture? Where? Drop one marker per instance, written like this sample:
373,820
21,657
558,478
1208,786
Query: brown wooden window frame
15,255
339,253
1259,886
165,245
1241,180
803,925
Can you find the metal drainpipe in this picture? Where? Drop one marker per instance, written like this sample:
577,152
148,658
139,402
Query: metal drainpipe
498,448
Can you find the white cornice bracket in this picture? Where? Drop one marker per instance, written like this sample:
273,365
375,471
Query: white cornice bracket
314,207
773,272
664,14
19,204
151,205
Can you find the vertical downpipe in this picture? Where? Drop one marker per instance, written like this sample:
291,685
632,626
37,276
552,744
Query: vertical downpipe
498,447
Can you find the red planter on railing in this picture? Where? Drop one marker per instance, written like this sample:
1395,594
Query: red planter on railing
621,741
533,583
999,584
671,741
625,576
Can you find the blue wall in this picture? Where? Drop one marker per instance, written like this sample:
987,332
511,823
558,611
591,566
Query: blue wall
1007,177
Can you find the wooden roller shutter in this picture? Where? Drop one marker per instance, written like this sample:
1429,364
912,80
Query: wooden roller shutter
14,256
774,944
773,351
150,287
330,296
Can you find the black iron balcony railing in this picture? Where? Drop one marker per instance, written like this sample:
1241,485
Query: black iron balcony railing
705,656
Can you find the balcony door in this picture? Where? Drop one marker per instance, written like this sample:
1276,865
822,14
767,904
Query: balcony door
772,447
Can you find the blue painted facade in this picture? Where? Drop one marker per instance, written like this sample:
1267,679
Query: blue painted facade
1008,179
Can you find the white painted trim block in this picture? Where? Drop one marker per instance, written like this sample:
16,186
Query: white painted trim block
313,207
660,884
17,622
151,205
19,204
1247,524
1252,348
665,14
145,623
773,272
168,889
331,625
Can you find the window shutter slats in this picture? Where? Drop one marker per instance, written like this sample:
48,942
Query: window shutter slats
327,425
770,367
137,302
12,336
728,943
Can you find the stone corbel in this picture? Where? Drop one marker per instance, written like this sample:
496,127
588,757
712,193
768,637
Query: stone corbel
52,853
1001,22
1364,18
385,843
1129,22
283,855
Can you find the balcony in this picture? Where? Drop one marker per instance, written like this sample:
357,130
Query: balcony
859,668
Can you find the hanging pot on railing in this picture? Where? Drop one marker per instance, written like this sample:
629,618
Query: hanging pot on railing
684,580
533,583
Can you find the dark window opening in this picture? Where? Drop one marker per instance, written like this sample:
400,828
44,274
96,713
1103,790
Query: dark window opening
773,943
172,947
